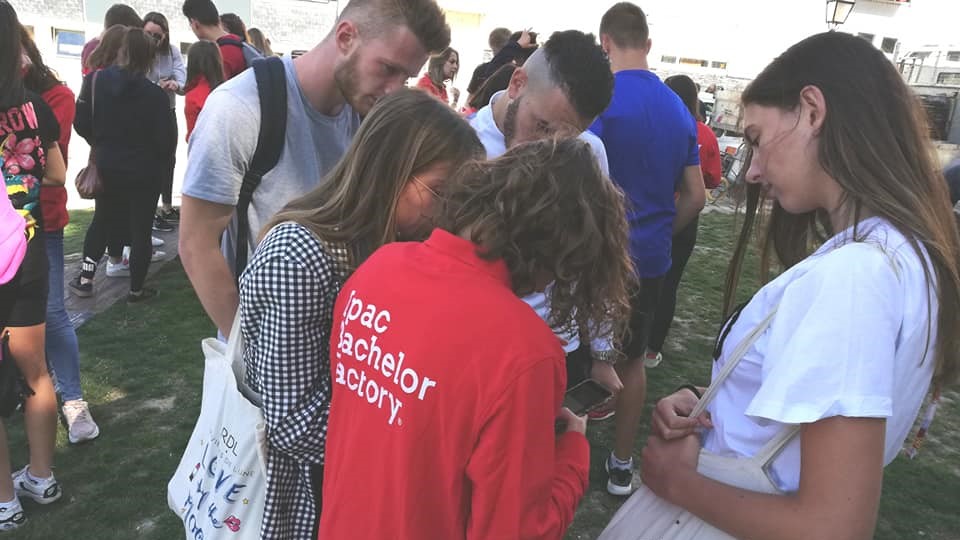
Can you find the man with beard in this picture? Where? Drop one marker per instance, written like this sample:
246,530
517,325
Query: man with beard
560,90
375,46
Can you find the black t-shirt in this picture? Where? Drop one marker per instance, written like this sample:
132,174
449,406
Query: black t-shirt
27,131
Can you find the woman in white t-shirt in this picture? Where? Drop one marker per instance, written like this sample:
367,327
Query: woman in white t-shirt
860,327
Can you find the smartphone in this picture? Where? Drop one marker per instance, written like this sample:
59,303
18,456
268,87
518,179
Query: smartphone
586,396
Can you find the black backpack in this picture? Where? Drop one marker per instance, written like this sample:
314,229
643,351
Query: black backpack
272,89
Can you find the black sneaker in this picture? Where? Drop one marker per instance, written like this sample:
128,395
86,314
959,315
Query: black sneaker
143,295
161,225
620,481
172,215
82,285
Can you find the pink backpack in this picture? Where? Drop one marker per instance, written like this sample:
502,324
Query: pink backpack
13,241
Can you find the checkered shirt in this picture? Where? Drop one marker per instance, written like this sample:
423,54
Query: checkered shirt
287,295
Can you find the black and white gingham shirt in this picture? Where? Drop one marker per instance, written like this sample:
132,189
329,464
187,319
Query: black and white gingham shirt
287,295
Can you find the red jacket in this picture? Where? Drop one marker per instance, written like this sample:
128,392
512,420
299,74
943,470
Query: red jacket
197,93
53,199
426,84
709,156
445,393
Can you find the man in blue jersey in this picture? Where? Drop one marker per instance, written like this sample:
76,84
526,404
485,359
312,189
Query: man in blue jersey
651,143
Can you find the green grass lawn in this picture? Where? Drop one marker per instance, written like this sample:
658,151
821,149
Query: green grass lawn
142,373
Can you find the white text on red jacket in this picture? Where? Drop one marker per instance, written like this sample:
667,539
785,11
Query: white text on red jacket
377,376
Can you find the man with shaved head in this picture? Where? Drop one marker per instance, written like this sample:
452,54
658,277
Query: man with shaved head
559,90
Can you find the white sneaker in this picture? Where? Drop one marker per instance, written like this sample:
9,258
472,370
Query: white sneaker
158,255
80,424
157,242
652,360
42,491
120,269
11,515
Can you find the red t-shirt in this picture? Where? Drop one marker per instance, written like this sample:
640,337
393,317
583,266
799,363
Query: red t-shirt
53,199
709,156
197,94
233,61
445,393
426,84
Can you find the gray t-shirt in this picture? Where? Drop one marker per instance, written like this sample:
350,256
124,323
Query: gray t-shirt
225,138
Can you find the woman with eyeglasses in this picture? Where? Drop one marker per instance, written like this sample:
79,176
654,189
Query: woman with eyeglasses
169,72
383,190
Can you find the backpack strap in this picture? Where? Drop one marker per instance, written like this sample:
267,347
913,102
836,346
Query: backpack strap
272,88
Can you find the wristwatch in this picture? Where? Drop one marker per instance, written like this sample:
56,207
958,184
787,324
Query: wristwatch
609,356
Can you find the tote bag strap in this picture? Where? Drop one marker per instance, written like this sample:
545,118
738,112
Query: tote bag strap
774,446
234,354
732,362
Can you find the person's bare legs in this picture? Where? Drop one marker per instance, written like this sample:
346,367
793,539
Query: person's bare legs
40,410
629,407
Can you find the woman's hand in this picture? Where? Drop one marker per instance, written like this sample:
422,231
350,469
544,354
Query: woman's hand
666,465
671,416
572,422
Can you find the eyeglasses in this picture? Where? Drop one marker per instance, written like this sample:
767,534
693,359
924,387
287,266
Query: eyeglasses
155,36
426,187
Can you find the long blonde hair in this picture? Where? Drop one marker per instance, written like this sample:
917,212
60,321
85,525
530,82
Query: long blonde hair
406,133
875,143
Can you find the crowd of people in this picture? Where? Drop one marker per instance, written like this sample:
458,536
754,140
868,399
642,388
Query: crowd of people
496,254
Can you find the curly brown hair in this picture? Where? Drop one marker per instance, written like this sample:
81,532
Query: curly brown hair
548,211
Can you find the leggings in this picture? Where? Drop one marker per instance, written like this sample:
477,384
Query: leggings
683,244
166,185
124,205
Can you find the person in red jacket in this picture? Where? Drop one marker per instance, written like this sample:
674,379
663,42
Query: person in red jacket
447,390
440,69
685,240
62,350
204,73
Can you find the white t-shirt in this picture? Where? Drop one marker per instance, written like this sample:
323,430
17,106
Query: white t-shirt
495,144
852,336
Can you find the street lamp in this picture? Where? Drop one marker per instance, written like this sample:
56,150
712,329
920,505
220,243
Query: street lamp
838,11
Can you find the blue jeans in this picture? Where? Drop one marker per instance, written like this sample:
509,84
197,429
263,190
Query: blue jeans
63,353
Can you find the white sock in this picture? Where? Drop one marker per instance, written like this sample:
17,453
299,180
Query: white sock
617,463
38,480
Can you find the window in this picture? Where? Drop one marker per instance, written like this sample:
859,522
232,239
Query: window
889,45
920,55
69,42
949,78
694,62
953,56
718,65
868,37
668,59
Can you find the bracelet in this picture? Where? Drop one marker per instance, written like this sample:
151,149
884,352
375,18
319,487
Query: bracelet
690,387
609,356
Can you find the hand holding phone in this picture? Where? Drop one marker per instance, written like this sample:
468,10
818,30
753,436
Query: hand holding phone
570,422
585,397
